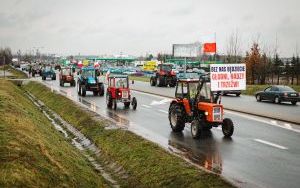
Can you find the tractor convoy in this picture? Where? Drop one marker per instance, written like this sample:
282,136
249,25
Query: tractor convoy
194,102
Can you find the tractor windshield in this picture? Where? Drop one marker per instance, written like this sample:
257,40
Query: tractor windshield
48,68
166,67
66,71
121,83
193,89
88,73
205,93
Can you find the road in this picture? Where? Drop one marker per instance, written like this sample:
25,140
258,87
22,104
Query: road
262,152
248,104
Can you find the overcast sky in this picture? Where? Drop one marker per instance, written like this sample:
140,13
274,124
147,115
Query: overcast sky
138,27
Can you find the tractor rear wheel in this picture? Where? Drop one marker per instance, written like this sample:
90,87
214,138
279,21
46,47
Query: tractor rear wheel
158,82
73,83
78,88
83,90
108,100
101,92
196,128
152,81
177,117
227,127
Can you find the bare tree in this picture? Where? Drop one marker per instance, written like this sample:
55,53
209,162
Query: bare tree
234,48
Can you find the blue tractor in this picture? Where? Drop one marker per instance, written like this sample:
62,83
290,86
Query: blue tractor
48,72
88,81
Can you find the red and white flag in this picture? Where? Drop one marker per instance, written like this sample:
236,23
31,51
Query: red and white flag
209,43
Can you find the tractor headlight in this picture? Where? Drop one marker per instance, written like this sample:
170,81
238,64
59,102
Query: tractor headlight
206,113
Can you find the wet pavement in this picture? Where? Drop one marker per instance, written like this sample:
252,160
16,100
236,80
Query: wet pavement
261,153
284,111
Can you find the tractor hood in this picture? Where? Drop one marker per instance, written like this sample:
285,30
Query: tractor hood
91,80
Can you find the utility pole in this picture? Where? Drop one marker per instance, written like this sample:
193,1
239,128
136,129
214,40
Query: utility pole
4,65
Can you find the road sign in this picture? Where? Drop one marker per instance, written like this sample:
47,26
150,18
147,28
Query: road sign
226,77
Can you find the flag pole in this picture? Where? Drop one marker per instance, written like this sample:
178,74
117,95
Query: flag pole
216,46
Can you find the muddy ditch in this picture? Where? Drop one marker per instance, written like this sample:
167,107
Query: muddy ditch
110,170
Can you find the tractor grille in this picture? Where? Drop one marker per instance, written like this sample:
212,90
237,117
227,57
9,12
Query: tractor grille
125,94
217,114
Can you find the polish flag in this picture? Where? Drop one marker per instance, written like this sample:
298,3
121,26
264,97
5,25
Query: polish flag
210,47
209,43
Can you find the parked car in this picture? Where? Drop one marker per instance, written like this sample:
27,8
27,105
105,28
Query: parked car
234,92
278,94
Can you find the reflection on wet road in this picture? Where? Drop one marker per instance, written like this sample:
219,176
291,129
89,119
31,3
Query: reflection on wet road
243,159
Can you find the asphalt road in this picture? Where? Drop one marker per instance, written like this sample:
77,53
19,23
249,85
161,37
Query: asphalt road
262,152
284,111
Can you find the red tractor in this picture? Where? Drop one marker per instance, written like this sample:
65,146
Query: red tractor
164,76
118,91
66,76
195,103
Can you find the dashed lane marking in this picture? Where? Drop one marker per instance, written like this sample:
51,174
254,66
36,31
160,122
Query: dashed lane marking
164,111
270,144
146,106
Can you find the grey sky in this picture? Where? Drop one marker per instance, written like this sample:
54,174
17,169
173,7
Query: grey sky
138,26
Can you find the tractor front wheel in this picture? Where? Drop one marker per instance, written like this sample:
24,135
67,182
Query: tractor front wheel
134,103
83,90
196,128
227,127
95,93
176,117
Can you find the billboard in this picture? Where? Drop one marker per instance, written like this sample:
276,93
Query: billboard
187,50
226,77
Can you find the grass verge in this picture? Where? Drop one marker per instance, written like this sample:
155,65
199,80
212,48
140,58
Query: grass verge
32,152
140,78
252,89
147,164
16,74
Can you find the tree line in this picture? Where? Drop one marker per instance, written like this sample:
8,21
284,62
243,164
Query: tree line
262,69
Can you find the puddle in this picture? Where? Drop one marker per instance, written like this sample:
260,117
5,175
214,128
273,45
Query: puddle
79,140
209,160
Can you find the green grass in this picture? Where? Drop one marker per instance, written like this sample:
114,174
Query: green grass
32,152
252,89
140,78
15,73
147,164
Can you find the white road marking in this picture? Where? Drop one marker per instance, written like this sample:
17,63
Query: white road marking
146,106
288,126
270,144
252,117
274,122
164,111
152,95
161,102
